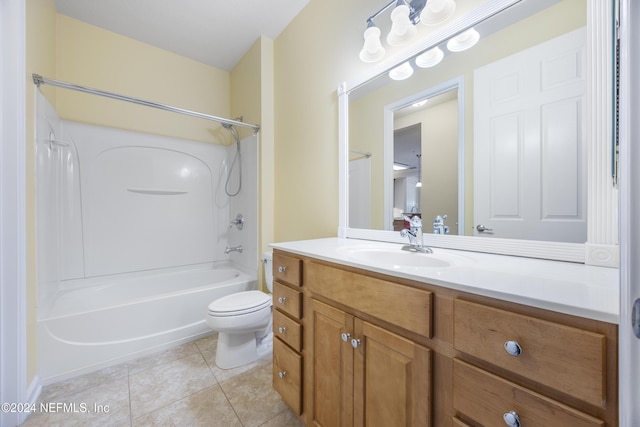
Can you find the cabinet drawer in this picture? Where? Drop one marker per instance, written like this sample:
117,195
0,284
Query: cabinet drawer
287,269
287,375
485,398
568,359
288,330
287,299
404,306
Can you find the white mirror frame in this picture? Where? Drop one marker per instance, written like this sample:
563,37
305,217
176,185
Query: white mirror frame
601,247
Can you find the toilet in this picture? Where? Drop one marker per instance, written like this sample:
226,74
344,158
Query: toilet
243,321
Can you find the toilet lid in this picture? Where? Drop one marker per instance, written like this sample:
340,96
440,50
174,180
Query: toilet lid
240,303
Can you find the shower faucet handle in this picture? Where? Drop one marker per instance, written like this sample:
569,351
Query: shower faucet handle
238,222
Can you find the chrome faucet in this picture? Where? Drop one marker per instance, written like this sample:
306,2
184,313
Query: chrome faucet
238,222
438,225
414,233
233,249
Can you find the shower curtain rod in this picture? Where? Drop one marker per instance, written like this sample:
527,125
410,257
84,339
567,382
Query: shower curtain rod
39,80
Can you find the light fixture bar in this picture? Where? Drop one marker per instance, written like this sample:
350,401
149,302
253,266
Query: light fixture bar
415,6
385,7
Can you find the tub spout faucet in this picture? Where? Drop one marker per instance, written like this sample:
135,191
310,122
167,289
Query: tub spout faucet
414,233
233,249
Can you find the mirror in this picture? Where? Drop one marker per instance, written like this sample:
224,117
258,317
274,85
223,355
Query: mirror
512,171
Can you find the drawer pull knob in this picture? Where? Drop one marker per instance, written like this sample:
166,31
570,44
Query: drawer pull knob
513,348
355,343
345,337
282,329
282,300
511,419
282,374
282,269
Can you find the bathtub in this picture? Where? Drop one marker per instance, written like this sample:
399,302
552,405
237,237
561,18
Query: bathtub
94,323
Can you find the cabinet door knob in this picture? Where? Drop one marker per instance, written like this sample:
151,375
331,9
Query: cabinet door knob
511,419
281,329
282,374
282,300
282,269
345,337
513,348
355,343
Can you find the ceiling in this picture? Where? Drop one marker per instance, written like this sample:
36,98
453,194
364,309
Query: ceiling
214,32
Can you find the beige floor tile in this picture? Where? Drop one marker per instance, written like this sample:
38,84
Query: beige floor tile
162,385
285,419
56,391
226,374
252,396
208,407
162,357
106,404
210,342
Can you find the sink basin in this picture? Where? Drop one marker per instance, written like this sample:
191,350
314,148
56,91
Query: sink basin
397,258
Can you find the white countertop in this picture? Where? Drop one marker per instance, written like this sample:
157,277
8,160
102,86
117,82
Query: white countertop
570,288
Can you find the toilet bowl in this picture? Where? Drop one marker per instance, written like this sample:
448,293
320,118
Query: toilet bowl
243,321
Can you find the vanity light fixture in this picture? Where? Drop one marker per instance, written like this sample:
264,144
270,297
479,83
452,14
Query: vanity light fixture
430,58
463,41
419,183
401,72
404,17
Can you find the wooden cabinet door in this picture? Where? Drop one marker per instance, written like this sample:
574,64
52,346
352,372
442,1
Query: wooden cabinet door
392,379
332,366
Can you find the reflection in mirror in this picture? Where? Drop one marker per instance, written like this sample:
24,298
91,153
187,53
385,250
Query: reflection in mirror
425,142
523,155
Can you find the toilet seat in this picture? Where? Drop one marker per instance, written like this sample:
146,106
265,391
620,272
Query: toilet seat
239,303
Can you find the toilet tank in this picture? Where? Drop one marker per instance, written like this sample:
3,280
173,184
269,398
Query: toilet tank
267,258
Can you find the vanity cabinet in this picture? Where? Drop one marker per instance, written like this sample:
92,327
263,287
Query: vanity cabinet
383,377
366,375
287,329
378,350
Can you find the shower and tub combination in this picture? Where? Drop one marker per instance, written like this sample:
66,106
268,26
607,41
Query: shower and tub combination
136,235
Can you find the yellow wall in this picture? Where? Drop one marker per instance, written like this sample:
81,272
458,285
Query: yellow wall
90,56
40,58
317,51
252,98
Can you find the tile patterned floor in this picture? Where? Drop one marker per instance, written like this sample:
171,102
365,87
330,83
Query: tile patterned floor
178,387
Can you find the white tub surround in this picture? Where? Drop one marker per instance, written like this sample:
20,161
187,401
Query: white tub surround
132,237
569,288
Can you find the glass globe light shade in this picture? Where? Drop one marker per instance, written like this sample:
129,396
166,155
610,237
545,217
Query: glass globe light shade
430,58
401,72
402,30
437,11
372,50
463,41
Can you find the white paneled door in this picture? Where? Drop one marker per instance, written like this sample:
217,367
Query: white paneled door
629,337
530,143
